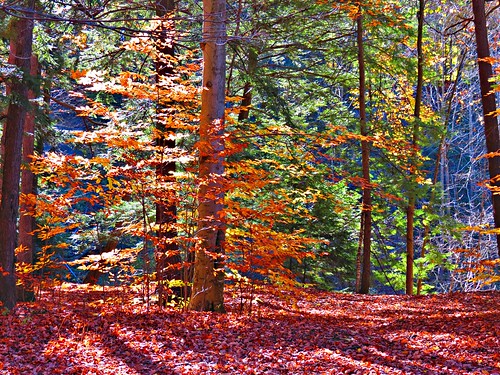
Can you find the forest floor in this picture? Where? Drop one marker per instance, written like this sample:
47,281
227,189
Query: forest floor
76,330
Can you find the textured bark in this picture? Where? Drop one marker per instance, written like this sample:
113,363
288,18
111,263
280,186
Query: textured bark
21,49
489,107
168,260
366,213
28,186
208,280
410,248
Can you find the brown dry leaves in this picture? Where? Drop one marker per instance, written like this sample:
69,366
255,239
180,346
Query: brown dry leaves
78,331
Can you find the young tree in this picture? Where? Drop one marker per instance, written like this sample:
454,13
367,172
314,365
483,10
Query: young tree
366,213
28,186
491,131
208,279
412,196
20,55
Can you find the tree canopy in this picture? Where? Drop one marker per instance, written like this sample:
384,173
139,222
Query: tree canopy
185,145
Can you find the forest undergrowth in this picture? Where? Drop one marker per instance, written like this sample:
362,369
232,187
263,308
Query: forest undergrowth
75,329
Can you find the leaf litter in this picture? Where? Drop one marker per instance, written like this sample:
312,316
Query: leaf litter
78,330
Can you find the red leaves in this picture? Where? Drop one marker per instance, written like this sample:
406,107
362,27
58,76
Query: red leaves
300,331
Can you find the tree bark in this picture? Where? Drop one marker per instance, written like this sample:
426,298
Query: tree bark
412,194
28,186
208,280
489,107
21,50
359,254
168,259
366,212
246,101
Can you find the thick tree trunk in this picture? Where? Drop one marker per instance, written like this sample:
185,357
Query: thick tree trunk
21,49
28,186
366,212
208,281
489,107
246,101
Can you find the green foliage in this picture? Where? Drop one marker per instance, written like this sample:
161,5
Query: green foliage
292,171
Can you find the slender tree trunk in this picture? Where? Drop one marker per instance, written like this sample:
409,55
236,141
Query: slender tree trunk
246,102
28,186
489,107
208,281
21,49
111,243
252,59
366,212
410,219
359,254
412,194
168,260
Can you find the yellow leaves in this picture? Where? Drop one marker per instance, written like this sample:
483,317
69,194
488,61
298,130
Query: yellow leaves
81,40
422,180
106,259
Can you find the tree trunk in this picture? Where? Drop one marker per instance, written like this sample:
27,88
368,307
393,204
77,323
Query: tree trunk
111,243
168,260
246,102
28,186
359,255
489,107
366,212
412,194
208,281
21,49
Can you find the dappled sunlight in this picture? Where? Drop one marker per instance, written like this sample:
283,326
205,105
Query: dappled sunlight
295,331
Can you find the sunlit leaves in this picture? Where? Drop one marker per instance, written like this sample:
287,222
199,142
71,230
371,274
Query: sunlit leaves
88,329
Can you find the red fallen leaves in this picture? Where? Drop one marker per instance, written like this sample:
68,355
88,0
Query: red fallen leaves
289,332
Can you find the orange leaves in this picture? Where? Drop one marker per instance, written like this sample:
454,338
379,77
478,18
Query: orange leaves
490,60
45,232
77,74
256,205
473,266
141,44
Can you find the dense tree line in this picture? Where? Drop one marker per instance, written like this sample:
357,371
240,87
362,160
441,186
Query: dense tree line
189,143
